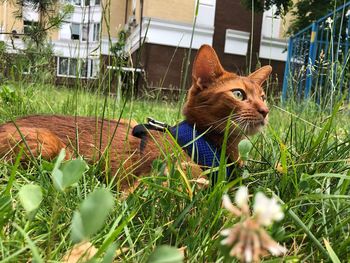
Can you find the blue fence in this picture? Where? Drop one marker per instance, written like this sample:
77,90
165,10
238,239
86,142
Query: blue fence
318,64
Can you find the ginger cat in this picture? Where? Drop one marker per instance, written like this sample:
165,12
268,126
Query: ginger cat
216,97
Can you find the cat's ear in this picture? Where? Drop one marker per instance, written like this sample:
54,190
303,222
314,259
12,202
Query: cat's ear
261,75
206,67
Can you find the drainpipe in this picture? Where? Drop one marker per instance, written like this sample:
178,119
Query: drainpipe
141,20
88,41
126,11
5,20
139,53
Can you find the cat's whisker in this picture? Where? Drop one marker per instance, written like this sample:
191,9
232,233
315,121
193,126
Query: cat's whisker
241,127
220,120
223,129
223,119
235,124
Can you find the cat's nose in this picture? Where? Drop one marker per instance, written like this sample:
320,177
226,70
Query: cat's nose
264,111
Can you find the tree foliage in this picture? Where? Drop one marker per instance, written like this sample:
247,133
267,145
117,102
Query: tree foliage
51,17
307,11
304,12
283,6
37,55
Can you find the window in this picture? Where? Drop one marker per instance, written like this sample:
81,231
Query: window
271,26
84,2
63,66
96,32
84,68
74,2
94,68
73,67
75,31
28,26
85,32
92,2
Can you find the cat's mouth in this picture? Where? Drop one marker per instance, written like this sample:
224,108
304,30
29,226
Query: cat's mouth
257,125
251,127
260,122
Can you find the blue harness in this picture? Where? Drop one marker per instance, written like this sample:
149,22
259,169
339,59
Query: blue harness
198,148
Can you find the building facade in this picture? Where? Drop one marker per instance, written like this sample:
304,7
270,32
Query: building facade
224,24
80,41
164,30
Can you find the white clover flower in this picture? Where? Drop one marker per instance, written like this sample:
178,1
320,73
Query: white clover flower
247,239
248,253
267,210
226,202
272,246
241,198
277,250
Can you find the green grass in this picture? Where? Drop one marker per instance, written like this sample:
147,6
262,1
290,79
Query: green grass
311,147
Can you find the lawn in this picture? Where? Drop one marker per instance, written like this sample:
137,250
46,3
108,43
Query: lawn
302,158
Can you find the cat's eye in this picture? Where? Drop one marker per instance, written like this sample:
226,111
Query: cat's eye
239,94
263,97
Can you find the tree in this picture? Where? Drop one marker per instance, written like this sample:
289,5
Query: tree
308,11
283,6
304,12
37,55
51,16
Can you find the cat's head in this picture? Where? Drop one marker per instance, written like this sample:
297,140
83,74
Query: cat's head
217,96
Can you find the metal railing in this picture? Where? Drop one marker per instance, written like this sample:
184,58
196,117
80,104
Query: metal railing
317,65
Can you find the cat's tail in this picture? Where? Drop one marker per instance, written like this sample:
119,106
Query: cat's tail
35,142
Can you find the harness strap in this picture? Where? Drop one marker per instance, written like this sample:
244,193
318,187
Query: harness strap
201,151
141,130
196,146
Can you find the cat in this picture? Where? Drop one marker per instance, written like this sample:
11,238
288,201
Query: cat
215,98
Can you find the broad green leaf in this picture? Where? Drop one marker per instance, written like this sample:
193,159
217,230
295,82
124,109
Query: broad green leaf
30,196
67,174
57,178
92,214
77,228
166,254
60,158
72,171
331,252
57,175
244,147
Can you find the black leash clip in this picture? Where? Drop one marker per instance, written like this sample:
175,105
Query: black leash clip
157,125
141,130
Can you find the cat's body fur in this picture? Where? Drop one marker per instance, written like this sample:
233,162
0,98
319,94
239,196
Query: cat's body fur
214,98
47,135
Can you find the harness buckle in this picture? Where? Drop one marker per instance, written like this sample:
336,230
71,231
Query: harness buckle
157,125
